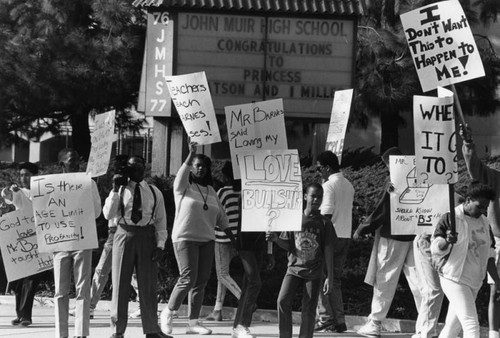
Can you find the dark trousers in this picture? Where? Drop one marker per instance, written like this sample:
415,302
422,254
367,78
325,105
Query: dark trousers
25,290
311,290
250,289
133,248
195,265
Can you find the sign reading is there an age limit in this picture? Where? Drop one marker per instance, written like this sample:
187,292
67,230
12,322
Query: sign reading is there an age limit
442,45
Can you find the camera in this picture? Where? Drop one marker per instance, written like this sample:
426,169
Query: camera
122,168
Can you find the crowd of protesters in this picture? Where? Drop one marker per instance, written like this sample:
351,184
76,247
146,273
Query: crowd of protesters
450,261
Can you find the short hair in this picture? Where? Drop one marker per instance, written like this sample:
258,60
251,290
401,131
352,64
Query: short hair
389,152
138,157
330,159
64,152
313,185
31,167
208,180
477,190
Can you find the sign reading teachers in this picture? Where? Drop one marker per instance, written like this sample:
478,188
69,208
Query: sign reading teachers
102,141
442,45
64,212
19,245
338,122
257,125
435,137
191,97
271,187
416,205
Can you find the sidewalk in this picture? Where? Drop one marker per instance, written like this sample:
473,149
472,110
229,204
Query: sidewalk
264,324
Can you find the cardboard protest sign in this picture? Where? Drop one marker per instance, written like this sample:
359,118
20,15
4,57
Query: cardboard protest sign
435,138
416,205
102,139
64,212
271,188
191,97
338,122
18,243
442,45
256,125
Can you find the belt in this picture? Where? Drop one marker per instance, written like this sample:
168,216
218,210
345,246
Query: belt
128,227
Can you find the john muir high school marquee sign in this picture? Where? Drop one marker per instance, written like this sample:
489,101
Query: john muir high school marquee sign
303,60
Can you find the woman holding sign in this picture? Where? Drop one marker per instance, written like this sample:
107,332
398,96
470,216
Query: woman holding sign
462,259
198,211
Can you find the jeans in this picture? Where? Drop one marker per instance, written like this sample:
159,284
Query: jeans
311,290
250,288
462,313
194,260
81,261
432,294
331,307
224,253
392,257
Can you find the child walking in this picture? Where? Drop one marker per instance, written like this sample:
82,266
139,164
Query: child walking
308,250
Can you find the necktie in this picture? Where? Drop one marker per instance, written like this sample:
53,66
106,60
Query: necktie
136,205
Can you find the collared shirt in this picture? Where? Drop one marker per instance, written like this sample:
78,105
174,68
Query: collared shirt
113,209
338,197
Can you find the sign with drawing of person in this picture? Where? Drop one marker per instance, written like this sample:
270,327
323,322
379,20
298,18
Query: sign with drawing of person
442,45
64,212
191,97
435,137
271,190
256,125
416,204
18,243
102,139
338,122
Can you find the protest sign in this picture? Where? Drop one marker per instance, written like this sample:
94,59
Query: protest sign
191,97
442,45
18,243
271,188
102,139
416,205
64,212
256,125
338,122
435,138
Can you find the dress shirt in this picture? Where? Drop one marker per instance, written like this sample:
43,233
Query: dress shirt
338,197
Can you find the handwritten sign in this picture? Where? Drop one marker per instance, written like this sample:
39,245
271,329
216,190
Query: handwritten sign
435,138
159,60
102,142
64,212
257,125
271,185
191,97
19,245
416,205
442,45
338,122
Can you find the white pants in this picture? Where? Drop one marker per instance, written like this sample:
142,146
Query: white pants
81,262
462,313
392,257
432,294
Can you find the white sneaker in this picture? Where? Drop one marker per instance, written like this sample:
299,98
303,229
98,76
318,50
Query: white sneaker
198,328
72,312
166,322
241,331
370,329
135,314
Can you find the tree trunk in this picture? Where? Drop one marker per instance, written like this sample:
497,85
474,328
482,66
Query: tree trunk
389,122
81,133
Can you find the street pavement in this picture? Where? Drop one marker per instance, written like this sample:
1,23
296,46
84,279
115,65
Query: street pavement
264,324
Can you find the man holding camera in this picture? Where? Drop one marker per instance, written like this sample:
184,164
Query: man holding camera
138,210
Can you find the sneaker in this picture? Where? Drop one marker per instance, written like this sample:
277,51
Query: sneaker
25,322
135,314
241,331
370,329
91,314
339,328
15,322
166,322
198,329
323,325
216,315
72,312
